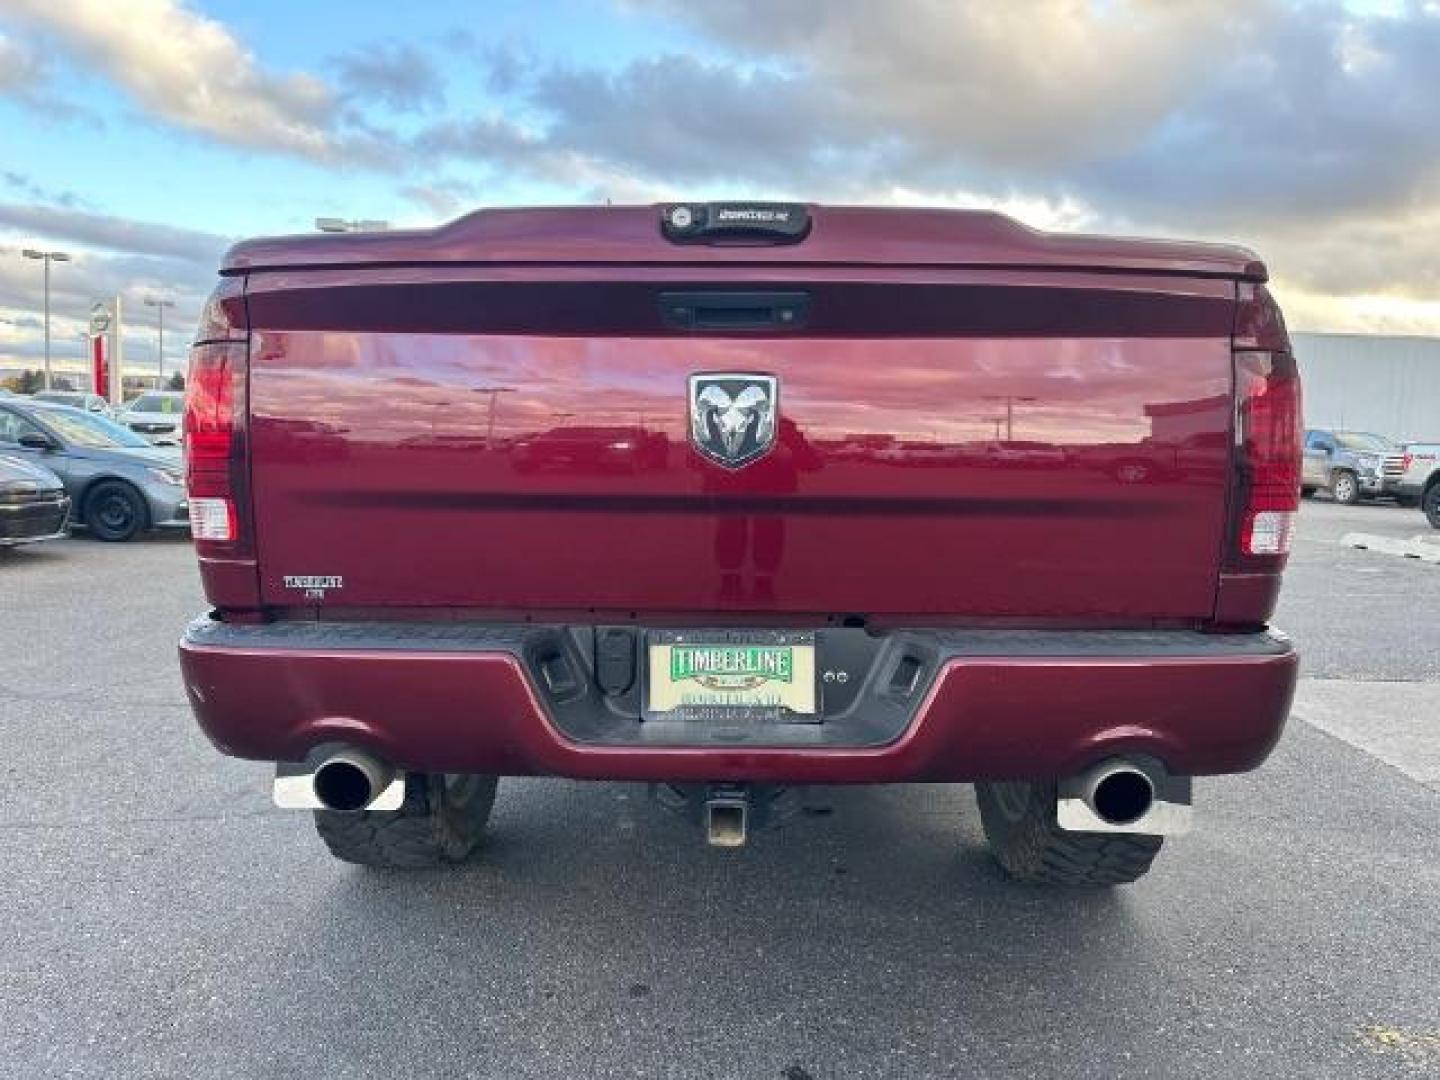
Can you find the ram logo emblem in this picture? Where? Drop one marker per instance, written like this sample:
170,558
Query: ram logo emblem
733,416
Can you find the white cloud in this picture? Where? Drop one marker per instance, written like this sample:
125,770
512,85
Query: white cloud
1065,213
188,70
1365,313
106,231
20,68
26,76
396,74
1030,84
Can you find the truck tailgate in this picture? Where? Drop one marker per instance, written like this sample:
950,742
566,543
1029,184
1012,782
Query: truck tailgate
978,443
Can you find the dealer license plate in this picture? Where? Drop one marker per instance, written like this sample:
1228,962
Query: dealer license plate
724,676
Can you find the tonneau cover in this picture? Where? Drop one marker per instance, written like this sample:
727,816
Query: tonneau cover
839,235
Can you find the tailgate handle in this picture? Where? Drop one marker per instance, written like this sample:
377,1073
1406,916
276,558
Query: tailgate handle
734,310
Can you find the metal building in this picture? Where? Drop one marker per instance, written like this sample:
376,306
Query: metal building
1366,382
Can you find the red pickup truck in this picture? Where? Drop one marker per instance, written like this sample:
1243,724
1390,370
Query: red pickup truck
736,498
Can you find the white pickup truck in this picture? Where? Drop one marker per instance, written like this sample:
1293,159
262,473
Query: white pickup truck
1420,482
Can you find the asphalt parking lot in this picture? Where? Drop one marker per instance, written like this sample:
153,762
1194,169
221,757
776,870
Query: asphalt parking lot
161,919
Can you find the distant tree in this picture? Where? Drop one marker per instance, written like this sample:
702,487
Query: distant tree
177,381
28,382
59,382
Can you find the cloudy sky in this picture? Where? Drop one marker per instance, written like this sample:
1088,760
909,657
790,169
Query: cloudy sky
142,136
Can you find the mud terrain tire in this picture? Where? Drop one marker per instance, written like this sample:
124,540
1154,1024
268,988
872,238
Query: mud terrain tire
440,823
1019,821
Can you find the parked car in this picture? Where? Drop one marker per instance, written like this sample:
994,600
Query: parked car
401,621
76,399
33,503
589,448
155,416
1350,465
1419,482
118,483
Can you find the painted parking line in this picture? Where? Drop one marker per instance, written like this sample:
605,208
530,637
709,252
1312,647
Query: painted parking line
1397,722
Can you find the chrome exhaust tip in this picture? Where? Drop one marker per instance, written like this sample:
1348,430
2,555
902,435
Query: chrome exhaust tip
348,781
1121,795
1118,793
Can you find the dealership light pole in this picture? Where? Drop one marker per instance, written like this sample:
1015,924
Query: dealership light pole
47,257
494,392
159,304
1010,400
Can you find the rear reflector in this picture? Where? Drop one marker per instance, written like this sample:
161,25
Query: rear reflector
1268,440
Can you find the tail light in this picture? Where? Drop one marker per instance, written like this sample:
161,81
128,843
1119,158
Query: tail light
1268,432
215,449
216,460
217,453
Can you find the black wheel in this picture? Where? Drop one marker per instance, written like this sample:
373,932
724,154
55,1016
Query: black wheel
1345,488
1307,492
1430,503
1019,821
115,511
441,822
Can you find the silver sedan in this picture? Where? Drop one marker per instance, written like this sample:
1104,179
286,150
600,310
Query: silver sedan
119,485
